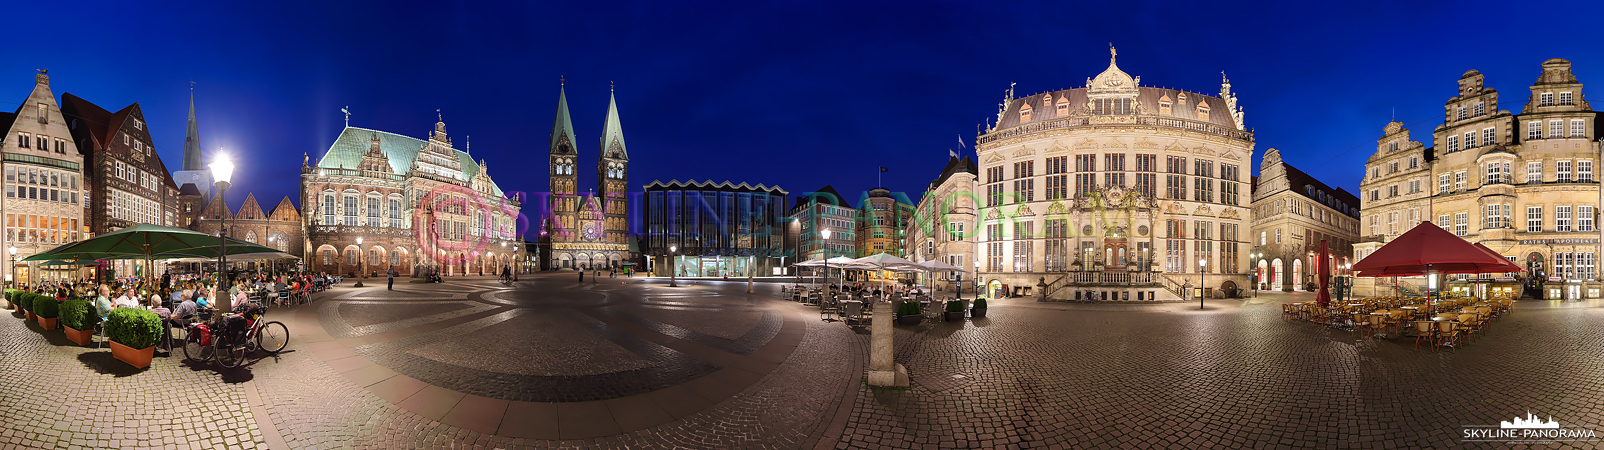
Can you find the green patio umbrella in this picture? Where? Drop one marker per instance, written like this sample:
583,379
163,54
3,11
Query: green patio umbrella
146,241
62,263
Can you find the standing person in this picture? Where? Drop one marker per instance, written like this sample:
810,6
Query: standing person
581,275
391,274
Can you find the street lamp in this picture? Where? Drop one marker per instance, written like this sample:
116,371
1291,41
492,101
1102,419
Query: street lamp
11,279
360,271
272,263
222,171
1256,275
1202,265
672,274
827,280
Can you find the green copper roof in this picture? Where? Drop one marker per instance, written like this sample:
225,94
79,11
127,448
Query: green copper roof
347,151
562,126
613,131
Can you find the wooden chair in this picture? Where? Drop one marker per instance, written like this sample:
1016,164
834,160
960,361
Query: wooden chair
1470,325
1423,332
852,312
1361,324
1447,334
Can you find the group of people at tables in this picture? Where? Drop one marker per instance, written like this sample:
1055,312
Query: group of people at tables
178,301
864,291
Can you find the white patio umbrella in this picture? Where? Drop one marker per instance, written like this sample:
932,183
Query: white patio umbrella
811,263
935,266
885,261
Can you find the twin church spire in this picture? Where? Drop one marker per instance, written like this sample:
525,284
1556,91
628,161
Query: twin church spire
613,164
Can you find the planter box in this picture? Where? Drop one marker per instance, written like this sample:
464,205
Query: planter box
137,357
80,337
32,317
911,319
977,312
47,324
957,316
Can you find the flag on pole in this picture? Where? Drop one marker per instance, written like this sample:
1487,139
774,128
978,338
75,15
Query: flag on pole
961,141
952,153
883,169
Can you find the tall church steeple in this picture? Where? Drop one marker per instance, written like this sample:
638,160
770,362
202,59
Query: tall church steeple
192,152
564,181
612,174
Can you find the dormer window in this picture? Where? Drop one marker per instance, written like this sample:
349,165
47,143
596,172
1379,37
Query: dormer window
1180,99
1202,111
1024,113
1063,106
1164,104
1545,99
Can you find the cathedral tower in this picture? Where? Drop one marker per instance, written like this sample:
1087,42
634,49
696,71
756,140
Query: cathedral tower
612,174
564,181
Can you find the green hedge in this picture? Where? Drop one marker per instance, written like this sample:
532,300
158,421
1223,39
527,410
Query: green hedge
46,306
133,327
980,303
22,299
79,314
908,308
955,306
11,294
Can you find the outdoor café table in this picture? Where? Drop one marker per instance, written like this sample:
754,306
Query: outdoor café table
1445,316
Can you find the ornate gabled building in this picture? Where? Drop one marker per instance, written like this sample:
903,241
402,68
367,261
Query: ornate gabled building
589,230
1520,184
279,229
1114,191
944,221
44,172
416,205
1292,213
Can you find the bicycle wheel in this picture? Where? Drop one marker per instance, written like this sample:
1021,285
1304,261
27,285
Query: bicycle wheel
194,351
273,337
230,356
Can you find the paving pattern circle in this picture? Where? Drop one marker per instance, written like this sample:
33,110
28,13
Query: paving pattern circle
548,339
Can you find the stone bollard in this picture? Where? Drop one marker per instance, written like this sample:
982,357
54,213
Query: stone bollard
882,370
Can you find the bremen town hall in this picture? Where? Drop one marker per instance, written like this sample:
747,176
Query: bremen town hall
1114,191
380,201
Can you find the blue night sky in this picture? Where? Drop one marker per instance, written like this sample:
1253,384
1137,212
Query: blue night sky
799,94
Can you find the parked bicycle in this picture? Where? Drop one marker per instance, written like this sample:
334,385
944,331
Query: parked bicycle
229,342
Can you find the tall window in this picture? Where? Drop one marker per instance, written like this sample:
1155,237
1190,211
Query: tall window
1545,99
373,211
1562,171
1470,139
1147,184
350,210
395,213
1493,216
1459,113
1022,246
1564,98
1392,222
1562,218
1174,255
1444,222
1556,128
1584,218
1057,181
1461,224
1584,171
1489,136
1459,180
1534,219
1024,190
1479,109
994,250
1056,245
1534,172
1495,173
1534,130
1453,143
1442,183
1578,129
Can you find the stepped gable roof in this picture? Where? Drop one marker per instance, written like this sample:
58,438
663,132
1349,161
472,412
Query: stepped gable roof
677,184
954,166
347,150
1310,187
100,127
250,210
285,211
216,209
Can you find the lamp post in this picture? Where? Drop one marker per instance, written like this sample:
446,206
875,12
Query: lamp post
827,280
360,271
1202,264
12,279
222,171
673,276
1256,274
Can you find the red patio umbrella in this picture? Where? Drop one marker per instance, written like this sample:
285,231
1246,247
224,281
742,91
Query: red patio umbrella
1323,296
1429,249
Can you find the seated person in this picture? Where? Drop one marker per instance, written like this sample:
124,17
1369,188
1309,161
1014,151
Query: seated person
103,303
128,299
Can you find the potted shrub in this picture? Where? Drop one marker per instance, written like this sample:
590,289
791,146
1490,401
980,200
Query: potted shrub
908,313
27,305
78,320
11,299
955,311
979,310
19,304
48,309
133,333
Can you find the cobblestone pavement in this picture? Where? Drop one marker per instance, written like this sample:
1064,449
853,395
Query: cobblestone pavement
375,369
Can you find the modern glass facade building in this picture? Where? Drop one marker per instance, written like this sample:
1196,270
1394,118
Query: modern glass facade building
698,229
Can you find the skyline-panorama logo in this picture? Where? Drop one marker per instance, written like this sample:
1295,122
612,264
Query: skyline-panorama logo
1531,429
